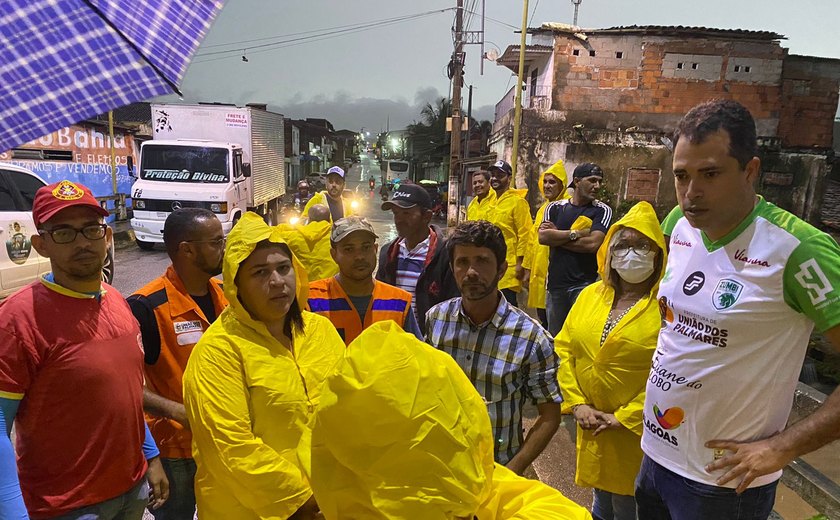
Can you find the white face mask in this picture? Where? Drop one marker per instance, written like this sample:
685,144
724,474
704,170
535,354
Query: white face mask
634,268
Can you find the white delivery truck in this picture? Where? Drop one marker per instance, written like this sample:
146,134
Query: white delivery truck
222,158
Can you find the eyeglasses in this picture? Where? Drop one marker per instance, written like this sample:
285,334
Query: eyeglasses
65,235
620,250
218,242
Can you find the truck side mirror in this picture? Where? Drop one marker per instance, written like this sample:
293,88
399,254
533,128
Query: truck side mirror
129,161
246,169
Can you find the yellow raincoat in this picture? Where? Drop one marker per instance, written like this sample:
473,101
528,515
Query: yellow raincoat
249,399
536,258
611,378
311,245
321,198
401,433
512,215
481,210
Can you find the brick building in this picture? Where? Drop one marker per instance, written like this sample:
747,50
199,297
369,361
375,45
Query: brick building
613,96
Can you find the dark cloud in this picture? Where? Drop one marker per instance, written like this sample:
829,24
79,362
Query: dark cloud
342,109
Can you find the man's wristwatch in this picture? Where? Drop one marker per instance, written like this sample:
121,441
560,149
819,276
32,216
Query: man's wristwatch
573,235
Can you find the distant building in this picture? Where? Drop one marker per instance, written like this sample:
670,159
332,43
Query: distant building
292,154
613,96
82,152
346,147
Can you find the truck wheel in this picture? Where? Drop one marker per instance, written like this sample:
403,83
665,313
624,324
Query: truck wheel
145,246
108,268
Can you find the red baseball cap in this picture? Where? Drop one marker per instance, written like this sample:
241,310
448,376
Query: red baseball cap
55,197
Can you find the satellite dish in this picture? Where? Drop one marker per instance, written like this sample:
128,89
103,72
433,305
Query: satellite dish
492,55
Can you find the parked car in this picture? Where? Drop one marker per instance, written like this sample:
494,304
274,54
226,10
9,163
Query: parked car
20,264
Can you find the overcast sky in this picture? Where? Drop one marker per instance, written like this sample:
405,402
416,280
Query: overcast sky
388,71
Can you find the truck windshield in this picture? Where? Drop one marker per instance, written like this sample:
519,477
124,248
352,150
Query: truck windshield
184,164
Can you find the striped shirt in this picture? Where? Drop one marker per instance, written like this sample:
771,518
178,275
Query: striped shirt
509,358
409,266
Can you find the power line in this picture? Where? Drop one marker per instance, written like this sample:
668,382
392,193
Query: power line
238,44
533,12
322,34
500,22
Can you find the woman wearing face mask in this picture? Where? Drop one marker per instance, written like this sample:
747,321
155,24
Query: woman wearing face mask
605,348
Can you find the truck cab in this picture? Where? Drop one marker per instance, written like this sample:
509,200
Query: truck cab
188,173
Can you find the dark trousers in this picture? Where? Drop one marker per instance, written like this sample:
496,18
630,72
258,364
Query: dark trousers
661,494
558,303
510,296
543,317
181,503
128,506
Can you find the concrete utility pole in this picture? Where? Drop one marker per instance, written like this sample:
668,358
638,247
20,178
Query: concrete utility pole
455,141
517,113
577,6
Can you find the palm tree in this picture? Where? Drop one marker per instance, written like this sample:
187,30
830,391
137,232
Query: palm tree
429,136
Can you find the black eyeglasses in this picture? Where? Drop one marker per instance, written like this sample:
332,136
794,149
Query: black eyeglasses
65,235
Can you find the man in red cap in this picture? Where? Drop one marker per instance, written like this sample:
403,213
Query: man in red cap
71,378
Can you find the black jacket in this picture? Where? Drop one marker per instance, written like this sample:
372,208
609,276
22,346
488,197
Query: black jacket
436,283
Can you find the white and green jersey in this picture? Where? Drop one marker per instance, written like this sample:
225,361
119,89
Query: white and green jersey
737,314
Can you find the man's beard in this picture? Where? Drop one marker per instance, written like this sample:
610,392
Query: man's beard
86,273
478,290
210,269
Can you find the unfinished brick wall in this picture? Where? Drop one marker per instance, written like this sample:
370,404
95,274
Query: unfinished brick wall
809,102
642,184
665,77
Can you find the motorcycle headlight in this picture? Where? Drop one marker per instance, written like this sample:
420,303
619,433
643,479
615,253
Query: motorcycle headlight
354,204
294,220
139,204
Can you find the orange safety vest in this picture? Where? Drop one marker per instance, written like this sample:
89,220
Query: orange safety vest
327,298
180,324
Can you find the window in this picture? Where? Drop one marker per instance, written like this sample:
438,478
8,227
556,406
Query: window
26,184
592,53
172,163
576,52
680,65
237,163
619,55
737,68
534,76
747,68
693,66
7,201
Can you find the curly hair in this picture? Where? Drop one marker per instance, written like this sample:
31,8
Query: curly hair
721,114
478,233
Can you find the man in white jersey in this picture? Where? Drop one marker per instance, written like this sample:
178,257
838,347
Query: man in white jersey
745,285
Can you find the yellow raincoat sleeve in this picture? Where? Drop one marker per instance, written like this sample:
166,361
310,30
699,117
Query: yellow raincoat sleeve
533,239
523,223
216,400
572,393
318,198
630,415
518,498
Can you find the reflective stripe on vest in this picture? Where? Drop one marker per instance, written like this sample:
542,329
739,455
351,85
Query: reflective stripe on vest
327,298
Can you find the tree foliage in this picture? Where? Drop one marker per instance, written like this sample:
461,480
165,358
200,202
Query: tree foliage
430,142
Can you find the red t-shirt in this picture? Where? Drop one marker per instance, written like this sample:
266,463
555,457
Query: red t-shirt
77,362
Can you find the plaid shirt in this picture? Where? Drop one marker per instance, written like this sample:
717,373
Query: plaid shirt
508,358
